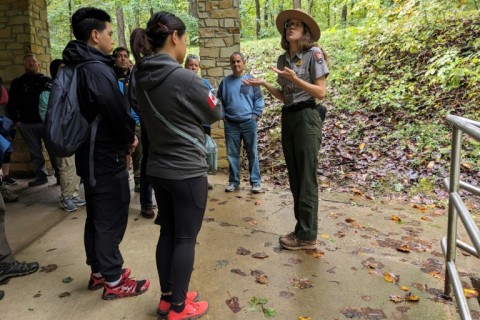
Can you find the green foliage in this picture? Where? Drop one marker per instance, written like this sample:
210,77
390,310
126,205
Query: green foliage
258,304
135,12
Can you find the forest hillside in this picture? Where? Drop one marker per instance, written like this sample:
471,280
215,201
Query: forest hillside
389,94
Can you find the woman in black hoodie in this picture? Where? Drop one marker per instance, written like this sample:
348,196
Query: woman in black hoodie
176,167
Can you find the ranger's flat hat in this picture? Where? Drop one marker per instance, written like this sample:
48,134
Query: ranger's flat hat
286,15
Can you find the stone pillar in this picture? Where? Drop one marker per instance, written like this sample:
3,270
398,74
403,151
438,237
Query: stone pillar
219,32
23,29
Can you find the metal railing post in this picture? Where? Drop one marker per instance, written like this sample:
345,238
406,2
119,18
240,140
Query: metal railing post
452,212
458,211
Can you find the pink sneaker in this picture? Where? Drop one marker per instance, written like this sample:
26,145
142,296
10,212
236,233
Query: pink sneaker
193,310
126,288
164,306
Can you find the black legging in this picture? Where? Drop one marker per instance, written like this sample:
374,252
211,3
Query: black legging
183,205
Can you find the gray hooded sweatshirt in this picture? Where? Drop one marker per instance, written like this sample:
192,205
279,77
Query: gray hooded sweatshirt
183,99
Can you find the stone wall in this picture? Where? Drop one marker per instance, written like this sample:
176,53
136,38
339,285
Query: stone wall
219,31
23,29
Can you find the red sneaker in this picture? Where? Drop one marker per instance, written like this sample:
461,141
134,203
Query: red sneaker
193,310
96,283
164,306
126,288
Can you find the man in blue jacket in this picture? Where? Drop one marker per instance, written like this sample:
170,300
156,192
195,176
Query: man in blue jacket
242,106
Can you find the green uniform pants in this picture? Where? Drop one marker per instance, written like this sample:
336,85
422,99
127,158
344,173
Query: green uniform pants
301,138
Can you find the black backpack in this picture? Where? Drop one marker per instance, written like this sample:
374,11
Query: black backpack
66,129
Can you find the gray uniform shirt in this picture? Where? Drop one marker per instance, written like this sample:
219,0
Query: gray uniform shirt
309,65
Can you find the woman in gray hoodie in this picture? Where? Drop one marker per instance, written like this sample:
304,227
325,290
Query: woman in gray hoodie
176,167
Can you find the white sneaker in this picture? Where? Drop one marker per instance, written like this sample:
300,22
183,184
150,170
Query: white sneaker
231,187
256,189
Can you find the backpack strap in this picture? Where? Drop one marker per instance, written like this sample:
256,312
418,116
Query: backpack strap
93,135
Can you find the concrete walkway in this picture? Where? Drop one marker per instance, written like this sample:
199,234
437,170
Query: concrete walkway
343,280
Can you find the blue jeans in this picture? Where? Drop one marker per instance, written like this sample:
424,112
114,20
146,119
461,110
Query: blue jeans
234,134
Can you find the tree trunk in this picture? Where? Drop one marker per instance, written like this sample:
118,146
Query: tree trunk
137,14
344,13
297,4
70,13
328,13
193,8
257,15
310,6
120,26
265,14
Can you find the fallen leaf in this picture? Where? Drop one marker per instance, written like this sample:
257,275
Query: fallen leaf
349,220
64,294
233,304
303,283
404,248
295,260
304,318
262,278
470,293
260,255
436,274
38,295
390,277
49,268
242,251
411,297
366,298
396,218
361,146
67,280
256,272
325,236
466,165
395,298
239,272
370,313
357,192
257,203
315,253
286,294
430,165
404,288
376,272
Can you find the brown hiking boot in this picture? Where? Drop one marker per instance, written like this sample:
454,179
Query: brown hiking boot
293,243
288,235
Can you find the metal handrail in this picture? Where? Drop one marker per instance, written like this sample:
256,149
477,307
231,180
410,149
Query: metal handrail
456,209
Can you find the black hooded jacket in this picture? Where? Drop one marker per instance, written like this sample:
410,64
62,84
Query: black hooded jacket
99,94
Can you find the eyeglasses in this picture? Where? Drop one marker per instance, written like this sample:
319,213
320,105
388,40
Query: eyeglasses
293,24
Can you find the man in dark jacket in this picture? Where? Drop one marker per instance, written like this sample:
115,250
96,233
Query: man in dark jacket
23,110
101,160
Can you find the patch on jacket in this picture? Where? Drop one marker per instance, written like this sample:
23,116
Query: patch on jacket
212,100
318,57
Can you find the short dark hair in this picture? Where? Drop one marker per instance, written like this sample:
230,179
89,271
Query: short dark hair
119,49
84,20
54,66
28,55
